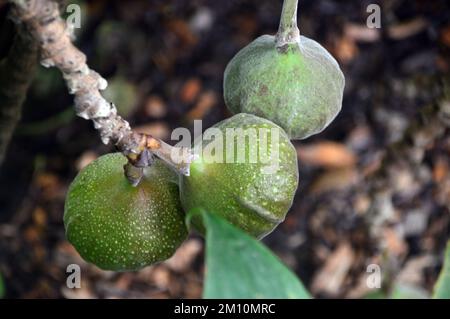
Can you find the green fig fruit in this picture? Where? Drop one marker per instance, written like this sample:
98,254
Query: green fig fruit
293,82
232,178
120,227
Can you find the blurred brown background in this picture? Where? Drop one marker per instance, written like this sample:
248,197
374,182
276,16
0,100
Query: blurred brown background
374,186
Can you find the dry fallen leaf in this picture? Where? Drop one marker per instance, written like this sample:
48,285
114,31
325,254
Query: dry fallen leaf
330,277
185,255
440,170
183,32
361,288
246,24
50,186
395,243
326,154
124,281
360,32
345,49
412,272
161,277
32,234
407,29
155,107
190,90
39,216
335,179
85,292
445,36
206,101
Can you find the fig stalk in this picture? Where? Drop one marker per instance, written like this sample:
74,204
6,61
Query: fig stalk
288,32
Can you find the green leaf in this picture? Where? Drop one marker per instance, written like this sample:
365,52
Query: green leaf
49,124
399,291
2,287
123,94
442,287
239,266
404,291
376,294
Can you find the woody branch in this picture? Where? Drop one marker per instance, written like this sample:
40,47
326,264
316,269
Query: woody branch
43,21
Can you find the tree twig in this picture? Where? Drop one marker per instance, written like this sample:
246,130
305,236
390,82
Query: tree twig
43,21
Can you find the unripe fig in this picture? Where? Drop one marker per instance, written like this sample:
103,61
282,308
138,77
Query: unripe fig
288,79
120,227
232,178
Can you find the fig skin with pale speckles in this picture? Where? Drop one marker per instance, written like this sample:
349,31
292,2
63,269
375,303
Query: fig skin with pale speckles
120,227
299,87
249,195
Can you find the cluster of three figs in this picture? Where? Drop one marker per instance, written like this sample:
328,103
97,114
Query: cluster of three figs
119,227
